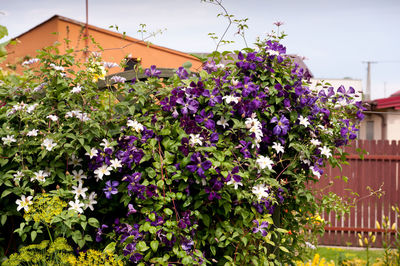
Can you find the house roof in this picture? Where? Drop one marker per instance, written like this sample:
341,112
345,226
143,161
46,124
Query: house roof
94,28
391,102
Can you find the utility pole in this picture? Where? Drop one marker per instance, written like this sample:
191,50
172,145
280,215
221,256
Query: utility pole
86,49
367,96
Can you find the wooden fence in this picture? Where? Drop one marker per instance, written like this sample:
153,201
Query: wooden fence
377,173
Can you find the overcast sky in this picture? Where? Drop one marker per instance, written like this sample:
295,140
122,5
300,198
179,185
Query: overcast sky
336,35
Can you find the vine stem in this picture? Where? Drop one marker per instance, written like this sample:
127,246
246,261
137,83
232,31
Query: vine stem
48,231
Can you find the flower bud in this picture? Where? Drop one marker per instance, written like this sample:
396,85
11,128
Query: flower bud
394,226
366,241
360,242
377,225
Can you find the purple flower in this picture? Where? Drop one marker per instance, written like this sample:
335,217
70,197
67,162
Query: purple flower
111,188
182,73
100,232
189,106
210,67
186,244
135,258
206,119
282,126
215,98
152,71
260,228
198,165
131,210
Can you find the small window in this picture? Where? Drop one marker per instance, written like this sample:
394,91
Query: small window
370,130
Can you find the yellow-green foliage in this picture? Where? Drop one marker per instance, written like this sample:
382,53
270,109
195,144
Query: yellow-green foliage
59,253
94,257
354,262
45,253
44,208
316,261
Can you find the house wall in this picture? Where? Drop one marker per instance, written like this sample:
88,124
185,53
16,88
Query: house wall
36,38
393,125
377,127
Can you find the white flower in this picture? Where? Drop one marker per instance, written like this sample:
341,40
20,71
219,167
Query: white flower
60,68
220,66
77,206
315,142
76,89
136,125
31,108
32,133
53,118
260,191
106,144
40,176
308,244
223,122
118,79
102,171
30,61
75,161
92,201
78,175
39,87
304,121
264,162
234,82
229,98
110,64
278,147
8,140
93,153
316,172
115,163
325,151
24,203
272,52
195,139
49,144
17,176
79,191
233,182
252,121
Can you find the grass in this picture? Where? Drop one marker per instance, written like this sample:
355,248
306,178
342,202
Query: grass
336,253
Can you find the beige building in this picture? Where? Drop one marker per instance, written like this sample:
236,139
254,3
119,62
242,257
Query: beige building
382,119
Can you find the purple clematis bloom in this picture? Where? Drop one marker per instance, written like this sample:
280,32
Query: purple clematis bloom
210,67
152,71
206,119
260,228
111,188
282,126
198,165
189,106
182,73
131,210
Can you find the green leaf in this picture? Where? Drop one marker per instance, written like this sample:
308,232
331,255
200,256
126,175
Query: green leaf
151,172
6,192
110,248
33,235
168,211
3,219
154,245
94,222
213,250
206,219
284,249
